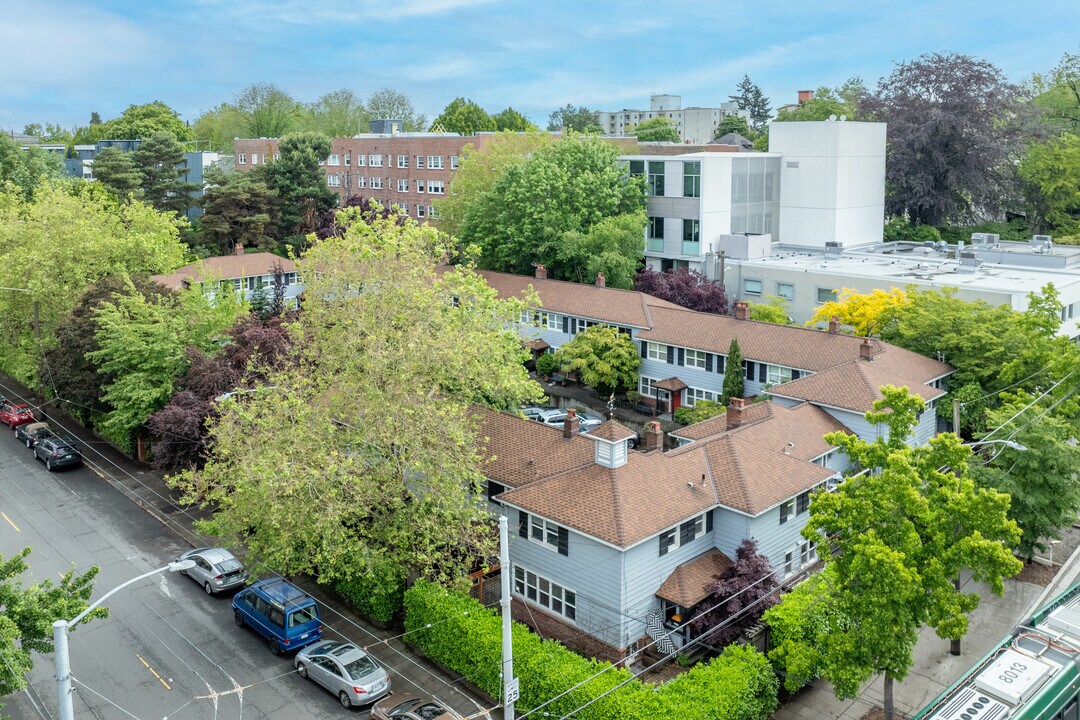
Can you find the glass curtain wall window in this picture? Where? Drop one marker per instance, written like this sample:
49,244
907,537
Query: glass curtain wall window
692,179
656,178
656,234
755,195
691,239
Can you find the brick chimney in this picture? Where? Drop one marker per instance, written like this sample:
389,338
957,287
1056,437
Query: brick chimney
805,96
654,437
742,310
541,272
834,325
866,350
239,249
601,281
735,412
570,424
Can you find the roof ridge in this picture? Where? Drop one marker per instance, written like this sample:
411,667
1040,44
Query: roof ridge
742,486
620,525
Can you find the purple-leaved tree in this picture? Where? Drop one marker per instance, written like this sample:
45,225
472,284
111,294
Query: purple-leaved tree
740,594
685,287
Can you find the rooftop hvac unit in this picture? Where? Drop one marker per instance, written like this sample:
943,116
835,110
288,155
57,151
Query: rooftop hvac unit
971,703
969,263
992,238
1042,243
833,249
979,238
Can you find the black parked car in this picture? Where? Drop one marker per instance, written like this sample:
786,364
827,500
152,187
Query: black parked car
30,433
56,453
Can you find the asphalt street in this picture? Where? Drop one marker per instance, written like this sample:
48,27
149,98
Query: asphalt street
167,651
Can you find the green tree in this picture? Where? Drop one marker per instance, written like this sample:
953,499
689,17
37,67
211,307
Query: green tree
826,103
58,245
565,187
1042,479
299,183
238,207
612,246
774,311
748,96
372,416
141,122
513,121
734,124
896,540
337,114
268,111
216,128
733,374
49,133
1050,173
1058,93
142,345
579,119
464,117
603,358
26,169
478,172
29,612
64,370
388,104
160,160
992,348
658,129
116,170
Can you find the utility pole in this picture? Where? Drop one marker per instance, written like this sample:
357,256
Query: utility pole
510,683
720,277
37,338
956,417
954,644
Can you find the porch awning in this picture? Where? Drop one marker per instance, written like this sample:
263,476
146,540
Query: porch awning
672,384
685,585
537,344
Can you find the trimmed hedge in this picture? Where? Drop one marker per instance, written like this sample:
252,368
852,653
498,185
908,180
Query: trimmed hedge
377,595
460,633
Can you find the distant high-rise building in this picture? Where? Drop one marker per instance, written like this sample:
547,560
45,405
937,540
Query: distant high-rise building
696,125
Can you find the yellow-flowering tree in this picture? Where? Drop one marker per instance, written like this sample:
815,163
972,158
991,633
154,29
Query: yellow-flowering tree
863,312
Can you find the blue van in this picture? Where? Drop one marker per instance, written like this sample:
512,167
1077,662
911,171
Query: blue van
280,612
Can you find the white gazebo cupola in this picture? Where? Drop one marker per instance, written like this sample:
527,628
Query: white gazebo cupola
612,443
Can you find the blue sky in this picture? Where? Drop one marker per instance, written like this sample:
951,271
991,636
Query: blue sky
62,59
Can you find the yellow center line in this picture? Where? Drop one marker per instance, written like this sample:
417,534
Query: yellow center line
11,523
153,671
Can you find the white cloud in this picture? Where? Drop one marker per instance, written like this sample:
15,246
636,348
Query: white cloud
311,12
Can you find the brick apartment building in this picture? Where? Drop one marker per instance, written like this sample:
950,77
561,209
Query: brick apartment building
410,170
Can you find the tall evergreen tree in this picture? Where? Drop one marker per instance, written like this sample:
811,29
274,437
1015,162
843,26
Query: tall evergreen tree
733,373
238,208
115,169
161,162
749,97
300,185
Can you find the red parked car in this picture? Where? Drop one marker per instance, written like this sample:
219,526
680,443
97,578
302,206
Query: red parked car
15,414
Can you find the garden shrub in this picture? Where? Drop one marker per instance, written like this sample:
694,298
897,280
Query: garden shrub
546,364
460,633
377,594
796,625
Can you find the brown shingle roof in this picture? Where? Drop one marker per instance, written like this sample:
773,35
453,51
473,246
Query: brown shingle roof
750,468
671,384
856,385
612,430
755,412
611,305
685,586
522,451
225,267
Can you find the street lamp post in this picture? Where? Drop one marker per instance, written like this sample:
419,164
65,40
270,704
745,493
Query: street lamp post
60,638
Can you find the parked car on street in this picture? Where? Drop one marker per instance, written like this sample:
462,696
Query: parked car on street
30,433
345,670
535,412
552,417
15,414
215,569
56,453
279,611
411,708
589,421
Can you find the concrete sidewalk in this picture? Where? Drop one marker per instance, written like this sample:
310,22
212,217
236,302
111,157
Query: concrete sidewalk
935,669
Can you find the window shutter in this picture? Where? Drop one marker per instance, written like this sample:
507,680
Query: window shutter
566,323
644,349
573,326
523,524
763,372
564,541
682,356
803,503
671,354
708,362
664,542
748,367
685,531
721,361
708,521
783,513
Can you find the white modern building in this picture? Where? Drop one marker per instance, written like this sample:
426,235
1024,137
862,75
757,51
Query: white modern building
695,125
